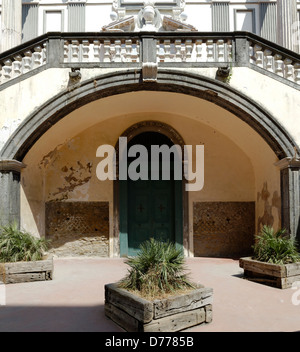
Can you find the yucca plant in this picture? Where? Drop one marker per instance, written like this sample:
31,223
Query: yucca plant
17,245
157,269
275,247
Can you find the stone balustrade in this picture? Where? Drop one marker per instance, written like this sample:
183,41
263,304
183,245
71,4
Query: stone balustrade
194,50
124,49
101,50
23,61
279,62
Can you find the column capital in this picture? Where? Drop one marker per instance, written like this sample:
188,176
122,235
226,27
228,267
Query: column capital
11,165
288,163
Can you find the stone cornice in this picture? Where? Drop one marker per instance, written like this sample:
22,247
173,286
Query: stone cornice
293,163
11,165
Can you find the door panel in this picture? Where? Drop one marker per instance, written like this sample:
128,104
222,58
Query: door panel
148,208
150,212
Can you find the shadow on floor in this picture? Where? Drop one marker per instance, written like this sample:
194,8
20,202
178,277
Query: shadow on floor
55,319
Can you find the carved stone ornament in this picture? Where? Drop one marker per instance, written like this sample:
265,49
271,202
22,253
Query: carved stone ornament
149,70
171,24
124,25
147,18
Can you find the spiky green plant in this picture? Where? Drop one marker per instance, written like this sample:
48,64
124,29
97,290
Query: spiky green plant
17,245
275,247
157,269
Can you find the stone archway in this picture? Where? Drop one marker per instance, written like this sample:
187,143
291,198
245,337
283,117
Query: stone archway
180,82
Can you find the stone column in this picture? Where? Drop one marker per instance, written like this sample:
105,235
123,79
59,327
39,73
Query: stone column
290,195
10,191
287,24
11,28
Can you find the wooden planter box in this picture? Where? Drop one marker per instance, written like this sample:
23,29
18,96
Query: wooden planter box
11,273
135,314
281,276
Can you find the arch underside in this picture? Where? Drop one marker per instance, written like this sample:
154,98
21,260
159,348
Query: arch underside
117,84
167,81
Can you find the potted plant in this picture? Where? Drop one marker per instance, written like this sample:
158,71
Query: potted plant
275,261
22,257
157,295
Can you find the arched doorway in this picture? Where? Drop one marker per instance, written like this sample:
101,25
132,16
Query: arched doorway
150,207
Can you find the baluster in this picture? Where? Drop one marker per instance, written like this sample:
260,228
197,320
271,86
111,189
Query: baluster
220,50
96,50
251,54
268,60
123,52
198,50
17,66
178,52
278,65
106,51
134,52
75,51
189,49
85,51
118,50
258,54
44,53
210,50
128,49
289,72
27,61
159,51
112,52
7,70
66,51
183,52
297,72
37,56
167,47
138,51
229,51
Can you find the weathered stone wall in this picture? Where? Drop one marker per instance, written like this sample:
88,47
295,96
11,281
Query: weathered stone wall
223,229
78,228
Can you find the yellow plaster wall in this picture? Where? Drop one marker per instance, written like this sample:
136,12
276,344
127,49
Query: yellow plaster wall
239,166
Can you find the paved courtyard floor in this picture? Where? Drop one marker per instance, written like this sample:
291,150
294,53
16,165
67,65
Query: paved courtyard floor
74,300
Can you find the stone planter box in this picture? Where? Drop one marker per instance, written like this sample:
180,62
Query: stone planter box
281,276
41,270
135,314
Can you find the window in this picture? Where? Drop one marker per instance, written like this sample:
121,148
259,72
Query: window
244,20
53,21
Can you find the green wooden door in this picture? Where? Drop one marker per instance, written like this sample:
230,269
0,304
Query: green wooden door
150,212
149,209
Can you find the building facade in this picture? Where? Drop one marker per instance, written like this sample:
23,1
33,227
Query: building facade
78,75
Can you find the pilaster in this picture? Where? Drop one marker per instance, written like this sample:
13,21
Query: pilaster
11,27
286,21
290,195
10,171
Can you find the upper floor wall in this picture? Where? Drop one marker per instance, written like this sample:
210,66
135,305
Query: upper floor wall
42,16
